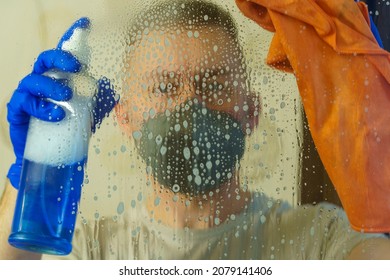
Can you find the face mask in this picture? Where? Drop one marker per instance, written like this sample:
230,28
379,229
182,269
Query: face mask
192,149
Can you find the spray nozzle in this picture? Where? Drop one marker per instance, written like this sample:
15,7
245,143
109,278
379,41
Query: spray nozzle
75,40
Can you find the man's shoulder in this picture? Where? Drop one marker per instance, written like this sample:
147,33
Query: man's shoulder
282,212
261,202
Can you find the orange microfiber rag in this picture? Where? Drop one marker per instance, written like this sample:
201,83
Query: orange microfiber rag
344,80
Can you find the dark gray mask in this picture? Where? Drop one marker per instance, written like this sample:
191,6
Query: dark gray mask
192,149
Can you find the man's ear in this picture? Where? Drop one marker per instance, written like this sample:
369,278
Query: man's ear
122,115
254,108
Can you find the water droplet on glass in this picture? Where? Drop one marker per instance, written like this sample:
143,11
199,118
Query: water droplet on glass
175,188
163,150
137,135
121,208
187,153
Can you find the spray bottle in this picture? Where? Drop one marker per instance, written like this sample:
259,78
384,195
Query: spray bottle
54,161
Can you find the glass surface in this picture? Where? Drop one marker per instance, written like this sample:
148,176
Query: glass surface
208,153
203,131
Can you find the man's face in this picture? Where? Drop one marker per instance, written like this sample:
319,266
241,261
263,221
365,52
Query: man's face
165,69
186,102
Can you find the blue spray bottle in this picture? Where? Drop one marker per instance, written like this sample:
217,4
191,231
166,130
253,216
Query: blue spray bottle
54,161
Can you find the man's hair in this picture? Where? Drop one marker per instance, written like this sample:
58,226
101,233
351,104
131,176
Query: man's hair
181,16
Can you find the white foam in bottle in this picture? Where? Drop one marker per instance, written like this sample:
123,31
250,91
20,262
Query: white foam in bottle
66,142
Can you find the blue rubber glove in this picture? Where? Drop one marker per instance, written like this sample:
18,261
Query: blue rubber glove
29,99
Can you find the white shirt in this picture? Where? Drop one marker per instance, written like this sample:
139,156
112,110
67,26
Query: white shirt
267,230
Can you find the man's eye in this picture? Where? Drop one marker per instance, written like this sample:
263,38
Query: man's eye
215,86
163,88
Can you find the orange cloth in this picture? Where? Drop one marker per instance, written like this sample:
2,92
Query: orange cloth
344,81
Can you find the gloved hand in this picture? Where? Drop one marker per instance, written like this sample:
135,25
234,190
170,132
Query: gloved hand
29,99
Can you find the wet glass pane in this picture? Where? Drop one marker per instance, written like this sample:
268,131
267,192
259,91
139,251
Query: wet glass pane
208,152
203,130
